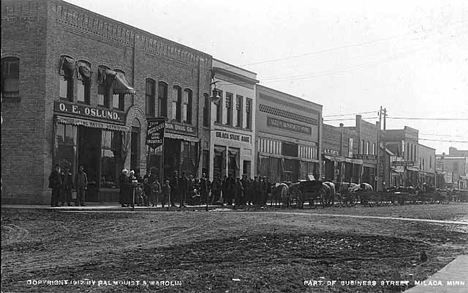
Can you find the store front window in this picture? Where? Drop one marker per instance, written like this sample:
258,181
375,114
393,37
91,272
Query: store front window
111,163
66,146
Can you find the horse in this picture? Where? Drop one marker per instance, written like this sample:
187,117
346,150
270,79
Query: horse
363,189
280,193
327,193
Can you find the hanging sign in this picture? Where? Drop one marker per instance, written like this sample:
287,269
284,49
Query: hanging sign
155,132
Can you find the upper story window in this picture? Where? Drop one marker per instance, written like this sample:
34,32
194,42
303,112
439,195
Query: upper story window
177,104
162,99
239,105
150,97
187,107
248,113
67,70
219,108
10,77
206,109
83,87
113,86
228,109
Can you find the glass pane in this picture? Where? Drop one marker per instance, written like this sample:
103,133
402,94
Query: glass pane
63,87
60,133
101,100
108,169
80,92
174,110
115,101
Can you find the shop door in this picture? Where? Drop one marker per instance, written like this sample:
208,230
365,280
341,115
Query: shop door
89,151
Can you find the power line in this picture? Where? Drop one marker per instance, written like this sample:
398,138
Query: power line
343,119
425,118
439,140
431,134
340,115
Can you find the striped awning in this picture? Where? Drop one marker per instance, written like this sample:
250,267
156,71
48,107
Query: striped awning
91,124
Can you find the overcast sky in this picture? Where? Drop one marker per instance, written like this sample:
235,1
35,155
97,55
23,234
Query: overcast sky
410,57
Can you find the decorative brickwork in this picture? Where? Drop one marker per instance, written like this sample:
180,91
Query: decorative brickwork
287,114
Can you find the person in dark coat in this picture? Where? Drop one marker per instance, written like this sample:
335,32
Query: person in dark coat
81,181
55,182
183,189
125,188
174,188
67,182
256,191
231,183
225,188
205,188
216,190
239,192
245,183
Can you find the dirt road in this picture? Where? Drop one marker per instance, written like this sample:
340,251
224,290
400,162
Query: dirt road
228,251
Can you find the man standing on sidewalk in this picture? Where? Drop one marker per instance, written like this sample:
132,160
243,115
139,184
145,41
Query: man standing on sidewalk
81,186
55,182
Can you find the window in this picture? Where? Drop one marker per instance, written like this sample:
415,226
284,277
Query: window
65,145
118,97
162,99
177,104
150,97
239,105
110,156
374,150
83,87
248,112
228,109
187,109
206,110
362,147
350,147
219,108
290,149
67,72
103,87
10,77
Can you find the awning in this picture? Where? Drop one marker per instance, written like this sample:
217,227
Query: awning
181,137
398,170
412,169
67,66
354,161
91,124
121,86
84,71
334,159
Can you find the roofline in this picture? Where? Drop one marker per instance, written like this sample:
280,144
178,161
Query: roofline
289,95
233,66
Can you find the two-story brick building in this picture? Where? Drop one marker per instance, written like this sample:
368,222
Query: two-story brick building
288,136
78,88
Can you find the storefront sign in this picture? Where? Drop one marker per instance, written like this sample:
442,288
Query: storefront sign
87,111
403,163
273,122
233,136
155,132
331,152
179,128
91,124
365,157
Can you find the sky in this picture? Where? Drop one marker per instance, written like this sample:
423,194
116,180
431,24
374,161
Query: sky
351,57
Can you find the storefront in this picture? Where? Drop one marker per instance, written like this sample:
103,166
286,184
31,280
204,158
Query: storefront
101,140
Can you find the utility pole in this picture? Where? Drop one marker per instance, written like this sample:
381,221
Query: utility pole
377,183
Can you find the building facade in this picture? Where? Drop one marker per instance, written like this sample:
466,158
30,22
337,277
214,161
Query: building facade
232,121
426,162
79,88
403,143
452,169
339,147
288,136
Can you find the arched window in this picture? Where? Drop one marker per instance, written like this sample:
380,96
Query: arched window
162,99
177,104
10,77
67,70
150,97
103,87
187,107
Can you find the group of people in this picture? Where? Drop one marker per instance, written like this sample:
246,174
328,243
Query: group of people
62,183
183,189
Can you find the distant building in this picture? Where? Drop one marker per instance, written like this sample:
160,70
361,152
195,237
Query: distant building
452,169
426,162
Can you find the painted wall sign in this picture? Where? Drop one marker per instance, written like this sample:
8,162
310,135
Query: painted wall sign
171,127
233,136
331,152
87,111
403,163
273,122
365,157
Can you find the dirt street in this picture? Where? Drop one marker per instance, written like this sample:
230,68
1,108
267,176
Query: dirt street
253,250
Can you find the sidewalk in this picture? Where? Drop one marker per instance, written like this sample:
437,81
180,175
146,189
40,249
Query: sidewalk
453,278
109,206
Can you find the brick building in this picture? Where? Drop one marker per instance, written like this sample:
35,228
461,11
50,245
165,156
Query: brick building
233,121
288,136
78,88
339,145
